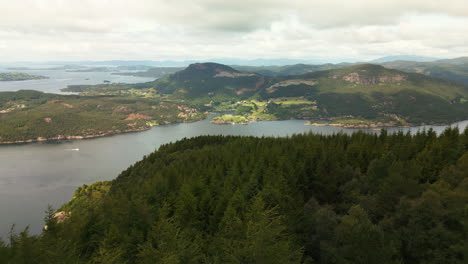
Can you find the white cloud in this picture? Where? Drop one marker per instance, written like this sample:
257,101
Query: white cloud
201,29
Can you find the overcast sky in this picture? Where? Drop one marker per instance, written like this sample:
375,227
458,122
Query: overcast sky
45,30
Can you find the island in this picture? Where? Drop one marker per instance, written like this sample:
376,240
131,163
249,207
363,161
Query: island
18,76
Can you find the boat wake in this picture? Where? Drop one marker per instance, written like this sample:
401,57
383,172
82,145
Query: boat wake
73,149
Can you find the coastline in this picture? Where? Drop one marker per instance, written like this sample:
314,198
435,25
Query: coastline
60,137
225,122
373,126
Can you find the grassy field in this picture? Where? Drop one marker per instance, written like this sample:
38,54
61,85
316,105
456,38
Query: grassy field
230,119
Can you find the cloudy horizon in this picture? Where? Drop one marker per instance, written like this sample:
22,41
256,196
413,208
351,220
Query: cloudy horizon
62,30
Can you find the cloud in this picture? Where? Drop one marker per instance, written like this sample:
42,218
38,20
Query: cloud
176,29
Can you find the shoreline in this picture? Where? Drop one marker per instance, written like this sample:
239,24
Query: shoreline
376,125
223,122
373,126
60,137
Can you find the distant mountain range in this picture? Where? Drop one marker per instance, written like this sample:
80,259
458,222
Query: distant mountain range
452,69
230,61
404,58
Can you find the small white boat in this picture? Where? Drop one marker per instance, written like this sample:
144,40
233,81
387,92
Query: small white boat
73,149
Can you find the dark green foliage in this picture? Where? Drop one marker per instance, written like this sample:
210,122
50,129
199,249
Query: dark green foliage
292,91
243,109
28,115
456,69
357,198
291,111
417,108
107,87
452,69
341,104
207,79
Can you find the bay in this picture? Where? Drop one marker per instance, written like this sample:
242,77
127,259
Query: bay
59,79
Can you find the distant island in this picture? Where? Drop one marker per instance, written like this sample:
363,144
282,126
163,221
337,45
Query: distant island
84,68
18,76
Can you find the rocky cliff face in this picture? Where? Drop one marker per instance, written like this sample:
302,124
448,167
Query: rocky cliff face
364,79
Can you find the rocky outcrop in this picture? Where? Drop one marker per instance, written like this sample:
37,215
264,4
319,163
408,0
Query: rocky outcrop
61,216
362,79
232,74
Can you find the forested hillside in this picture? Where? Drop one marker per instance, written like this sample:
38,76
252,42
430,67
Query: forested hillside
452,69
28,116
367,93
357,198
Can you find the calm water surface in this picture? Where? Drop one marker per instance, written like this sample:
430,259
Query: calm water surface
35,175
59,79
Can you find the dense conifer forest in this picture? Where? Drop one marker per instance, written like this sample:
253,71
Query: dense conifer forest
360,198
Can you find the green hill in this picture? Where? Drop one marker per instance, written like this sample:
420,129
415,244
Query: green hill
204,79
341,199
372,91
451,69
371,78
28,116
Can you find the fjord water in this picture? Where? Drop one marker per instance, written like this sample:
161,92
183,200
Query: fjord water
59,79
35,175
